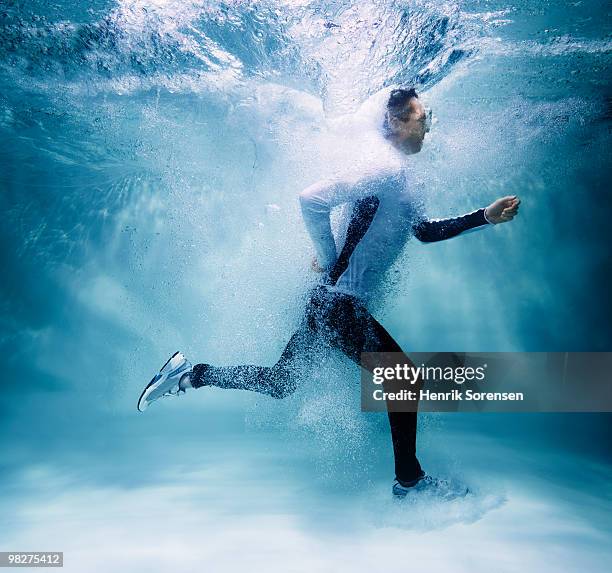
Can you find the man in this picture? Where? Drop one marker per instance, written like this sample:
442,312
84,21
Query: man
386,212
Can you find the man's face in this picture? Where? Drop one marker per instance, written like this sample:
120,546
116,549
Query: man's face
408,126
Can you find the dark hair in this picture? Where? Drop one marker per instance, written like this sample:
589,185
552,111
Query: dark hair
399,97
397,100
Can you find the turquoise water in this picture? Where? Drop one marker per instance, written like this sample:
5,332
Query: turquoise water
151,155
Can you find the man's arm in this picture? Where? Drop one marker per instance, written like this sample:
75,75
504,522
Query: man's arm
500,211
361,219
319,199
316,204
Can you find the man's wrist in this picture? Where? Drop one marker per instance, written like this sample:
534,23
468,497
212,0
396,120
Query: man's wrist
487,218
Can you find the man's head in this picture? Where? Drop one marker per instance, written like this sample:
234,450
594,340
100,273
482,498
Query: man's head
406,120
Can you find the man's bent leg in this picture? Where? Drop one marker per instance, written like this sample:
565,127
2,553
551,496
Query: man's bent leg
277,381
403,424
354,330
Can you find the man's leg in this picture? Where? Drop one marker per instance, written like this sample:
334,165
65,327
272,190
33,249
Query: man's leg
277,381
352,329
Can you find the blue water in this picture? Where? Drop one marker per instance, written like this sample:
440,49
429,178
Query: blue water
151,153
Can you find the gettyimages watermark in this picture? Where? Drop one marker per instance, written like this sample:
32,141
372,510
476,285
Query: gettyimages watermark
487,382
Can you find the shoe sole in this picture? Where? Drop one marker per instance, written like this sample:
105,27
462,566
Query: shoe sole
153,381
399,494
449,497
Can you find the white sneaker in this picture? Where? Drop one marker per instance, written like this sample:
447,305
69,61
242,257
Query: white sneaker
439,487
400,490
167,382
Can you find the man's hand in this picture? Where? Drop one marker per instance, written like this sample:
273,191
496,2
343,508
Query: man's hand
503,210
314,265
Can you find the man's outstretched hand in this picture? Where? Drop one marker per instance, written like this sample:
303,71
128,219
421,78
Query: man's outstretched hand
503,210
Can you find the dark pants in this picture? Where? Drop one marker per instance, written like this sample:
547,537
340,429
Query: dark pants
342,322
